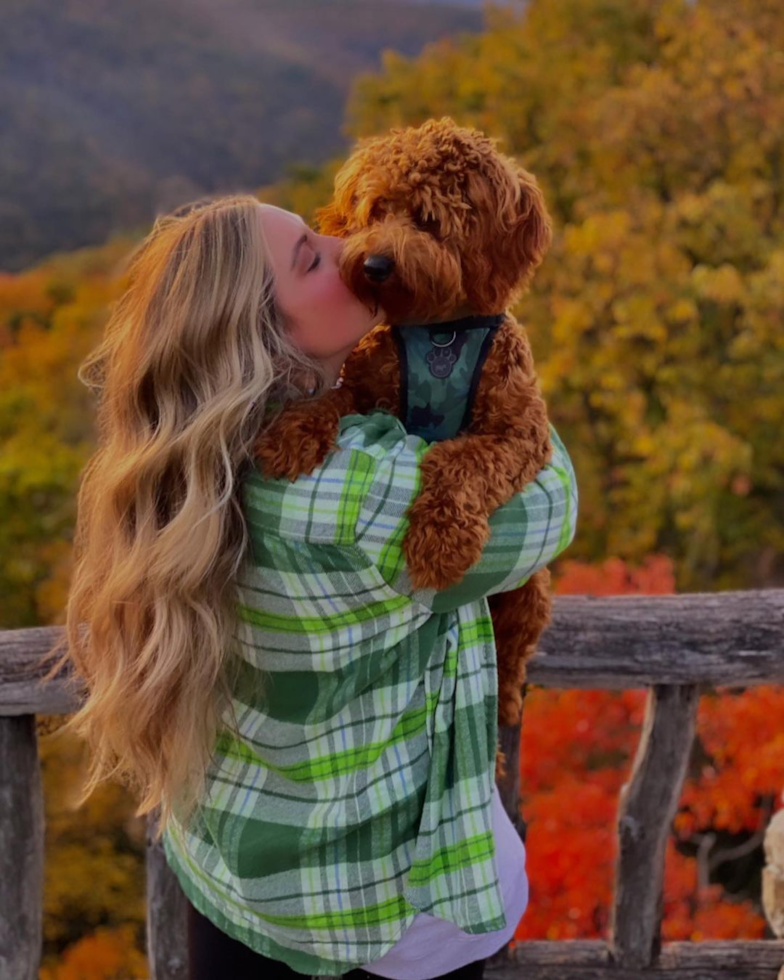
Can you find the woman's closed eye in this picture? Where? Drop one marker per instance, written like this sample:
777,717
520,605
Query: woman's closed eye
312,246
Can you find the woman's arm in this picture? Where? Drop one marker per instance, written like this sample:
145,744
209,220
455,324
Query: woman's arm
526,533
351,512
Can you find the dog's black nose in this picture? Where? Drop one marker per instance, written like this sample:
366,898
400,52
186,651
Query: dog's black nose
378,268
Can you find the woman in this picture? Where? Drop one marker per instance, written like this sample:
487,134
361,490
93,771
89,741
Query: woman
319,736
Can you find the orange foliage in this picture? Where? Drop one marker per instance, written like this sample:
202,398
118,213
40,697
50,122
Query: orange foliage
616,577
106,954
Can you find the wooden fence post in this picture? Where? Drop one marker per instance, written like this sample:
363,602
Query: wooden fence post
167,924
646,807
21,849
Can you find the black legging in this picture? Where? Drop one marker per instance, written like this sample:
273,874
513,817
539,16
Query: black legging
213,955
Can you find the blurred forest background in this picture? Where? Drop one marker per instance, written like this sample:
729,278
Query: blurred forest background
111,112
655,130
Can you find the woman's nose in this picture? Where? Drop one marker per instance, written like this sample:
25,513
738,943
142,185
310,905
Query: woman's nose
336,244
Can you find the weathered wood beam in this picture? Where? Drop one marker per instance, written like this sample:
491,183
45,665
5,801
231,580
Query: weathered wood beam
707,638
21,671
730,639
577,959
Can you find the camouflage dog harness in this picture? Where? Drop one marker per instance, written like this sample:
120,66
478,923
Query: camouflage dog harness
440,367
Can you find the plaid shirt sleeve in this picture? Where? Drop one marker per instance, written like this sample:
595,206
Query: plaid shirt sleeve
527,533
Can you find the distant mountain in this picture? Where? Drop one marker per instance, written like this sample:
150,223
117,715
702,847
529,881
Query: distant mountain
474,4
108,109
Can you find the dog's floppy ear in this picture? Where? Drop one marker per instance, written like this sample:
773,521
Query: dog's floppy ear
511,234
530,234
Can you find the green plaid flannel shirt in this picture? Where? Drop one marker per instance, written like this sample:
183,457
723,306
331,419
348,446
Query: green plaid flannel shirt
360,791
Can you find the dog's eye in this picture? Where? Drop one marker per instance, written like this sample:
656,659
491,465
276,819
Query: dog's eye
431,225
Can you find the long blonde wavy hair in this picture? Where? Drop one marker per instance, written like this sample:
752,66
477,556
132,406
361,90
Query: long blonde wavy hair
194,352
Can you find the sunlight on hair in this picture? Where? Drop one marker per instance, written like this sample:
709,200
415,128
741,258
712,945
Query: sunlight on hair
193,354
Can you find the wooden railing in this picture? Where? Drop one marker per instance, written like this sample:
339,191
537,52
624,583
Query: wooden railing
676,646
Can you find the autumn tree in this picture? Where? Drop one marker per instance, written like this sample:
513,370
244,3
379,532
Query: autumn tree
654,127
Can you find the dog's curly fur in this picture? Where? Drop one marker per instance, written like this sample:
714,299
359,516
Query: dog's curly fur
466,227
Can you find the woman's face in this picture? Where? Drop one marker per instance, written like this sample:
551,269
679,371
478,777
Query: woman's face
325,318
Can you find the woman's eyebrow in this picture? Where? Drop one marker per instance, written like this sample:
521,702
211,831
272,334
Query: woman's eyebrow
297,247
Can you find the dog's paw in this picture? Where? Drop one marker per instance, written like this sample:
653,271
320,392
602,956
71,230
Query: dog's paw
295,444
440,546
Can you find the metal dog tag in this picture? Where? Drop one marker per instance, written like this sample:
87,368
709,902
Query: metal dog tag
441,359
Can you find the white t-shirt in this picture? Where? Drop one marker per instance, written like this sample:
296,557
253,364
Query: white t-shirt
431,947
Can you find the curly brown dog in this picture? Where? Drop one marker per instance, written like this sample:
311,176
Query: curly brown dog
444,232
